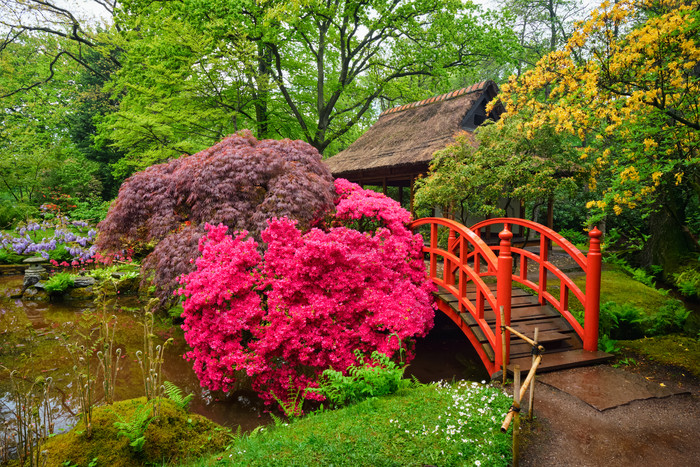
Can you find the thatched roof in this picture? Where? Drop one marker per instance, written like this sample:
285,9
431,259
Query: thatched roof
402,141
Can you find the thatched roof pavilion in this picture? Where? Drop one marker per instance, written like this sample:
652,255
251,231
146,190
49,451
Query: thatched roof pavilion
400,145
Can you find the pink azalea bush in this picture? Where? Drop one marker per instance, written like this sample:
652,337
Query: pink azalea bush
310,300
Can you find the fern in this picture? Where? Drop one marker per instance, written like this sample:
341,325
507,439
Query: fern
176,395
379,377
135,428
295,399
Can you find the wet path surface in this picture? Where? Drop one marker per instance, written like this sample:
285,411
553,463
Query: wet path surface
660,430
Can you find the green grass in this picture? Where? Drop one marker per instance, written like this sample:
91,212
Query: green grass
615,286
428,425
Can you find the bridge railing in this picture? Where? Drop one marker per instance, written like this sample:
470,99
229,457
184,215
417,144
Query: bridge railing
590,265
459,261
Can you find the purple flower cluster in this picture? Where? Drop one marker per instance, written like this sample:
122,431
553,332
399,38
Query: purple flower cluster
80,247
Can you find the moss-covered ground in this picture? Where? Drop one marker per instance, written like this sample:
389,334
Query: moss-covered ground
679,351
173,437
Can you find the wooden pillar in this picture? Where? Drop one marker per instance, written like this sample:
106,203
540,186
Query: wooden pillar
504,285
592,305
384,186
413,212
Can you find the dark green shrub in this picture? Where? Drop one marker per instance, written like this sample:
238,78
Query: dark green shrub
10,257
12,212
621,321
669,319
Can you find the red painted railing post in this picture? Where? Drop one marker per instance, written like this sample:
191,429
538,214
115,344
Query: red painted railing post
504,284
592,307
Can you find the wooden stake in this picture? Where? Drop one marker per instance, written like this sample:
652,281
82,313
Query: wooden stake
504,365
531,400
516,419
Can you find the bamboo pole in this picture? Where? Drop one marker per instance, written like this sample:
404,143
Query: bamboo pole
504,365
516,412
526,339
531,400
523,389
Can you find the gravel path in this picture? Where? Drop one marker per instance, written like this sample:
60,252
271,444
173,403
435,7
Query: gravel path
653,432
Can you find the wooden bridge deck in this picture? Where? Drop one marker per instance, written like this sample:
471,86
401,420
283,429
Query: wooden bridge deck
563,347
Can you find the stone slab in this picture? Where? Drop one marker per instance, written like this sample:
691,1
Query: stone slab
604,387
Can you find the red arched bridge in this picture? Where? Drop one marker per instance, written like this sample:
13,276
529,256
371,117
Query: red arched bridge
476,279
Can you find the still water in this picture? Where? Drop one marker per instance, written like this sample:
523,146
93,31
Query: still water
30,342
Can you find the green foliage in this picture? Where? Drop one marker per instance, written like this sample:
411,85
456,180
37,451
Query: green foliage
296,70
93,210
507,163
176,395
608,345
10,257
670,318
12,212
577,237
59,283
174,435
621,321
688,281
135,427
378,377
626,321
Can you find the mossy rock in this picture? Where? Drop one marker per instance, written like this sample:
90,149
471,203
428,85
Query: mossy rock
174,435
79,293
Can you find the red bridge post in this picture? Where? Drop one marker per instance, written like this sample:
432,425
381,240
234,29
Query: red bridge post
592,306
504,279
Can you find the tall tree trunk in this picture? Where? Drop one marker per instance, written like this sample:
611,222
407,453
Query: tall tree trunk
669,241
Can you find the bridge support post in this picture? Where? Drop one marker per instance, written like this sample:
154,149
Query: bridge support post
504,284
592,306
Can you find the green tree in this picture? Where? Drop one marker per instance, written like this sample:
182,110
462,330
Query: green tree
500,164
35,150
306,69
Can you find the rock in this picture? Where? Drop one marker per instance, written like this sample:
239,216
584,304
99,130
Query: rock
83,281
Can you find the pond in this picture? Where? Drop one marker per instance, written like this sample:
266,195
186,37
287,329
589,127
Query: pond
31,343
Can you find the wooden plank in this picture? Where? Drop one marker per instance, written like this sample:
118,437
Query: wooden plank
561,360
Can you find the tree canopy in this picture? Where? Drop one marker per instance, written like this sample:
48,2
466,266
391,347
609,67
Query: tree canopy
314,70
633,103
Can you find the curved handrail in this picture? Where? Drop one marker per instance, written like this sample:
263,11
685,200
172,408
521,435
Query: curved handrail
563,243
459,263
561,304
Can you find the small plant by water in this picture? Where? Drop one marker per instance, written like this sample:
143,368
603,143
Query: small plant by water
59,283
151,357
31,421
